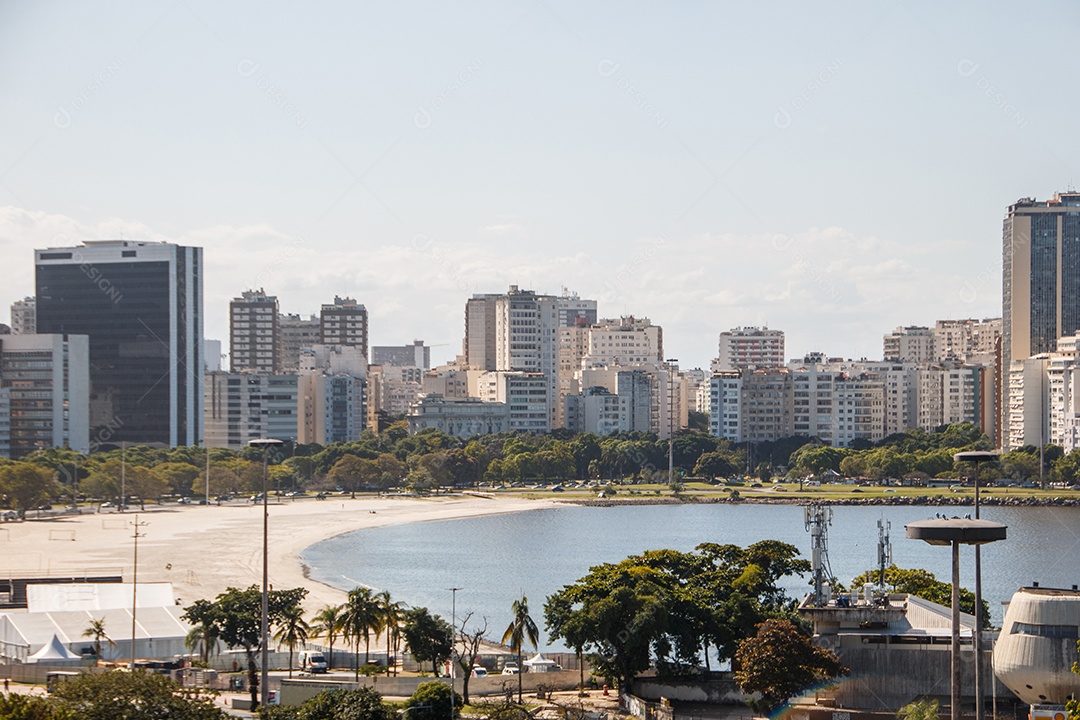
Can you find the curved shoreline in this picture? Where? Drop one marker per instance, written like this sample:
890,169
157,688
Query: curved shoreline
203,550
899,500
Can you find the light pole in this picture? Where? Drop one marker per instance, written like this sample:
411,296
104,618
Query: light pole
265,444
123,477
955,532
135,583
207,495
977,457
453,644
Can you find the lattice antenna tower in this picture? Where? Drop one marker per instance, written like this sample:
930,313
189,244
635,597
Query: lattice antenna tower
817,519
884,551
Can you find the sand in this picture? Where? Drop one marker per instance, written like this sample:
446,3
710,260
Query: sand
203,550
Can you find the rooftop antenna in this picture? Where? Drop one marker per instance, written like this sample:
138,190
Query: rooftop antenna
817,519
884,551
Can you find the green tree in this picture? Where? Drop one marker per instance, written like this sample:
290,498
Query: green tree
432,701
716,465
392,616
779,662
203,636
292,630
330,621
521,628
924,584
236,616
136,695
177,475
428,637
27,486
14,706
1073,706
925,709
362,618
96,630
360,704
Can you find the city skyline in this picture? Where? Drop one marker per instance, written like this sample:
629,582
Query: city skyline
836,174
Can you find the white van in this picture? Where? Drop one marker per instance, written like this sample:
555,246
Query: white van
312,661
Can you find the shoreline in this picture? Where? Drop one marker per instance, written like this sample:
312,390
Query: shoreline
202,550
900,500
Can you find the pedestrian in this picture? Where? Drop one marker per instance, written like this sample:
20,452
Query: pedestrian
7,685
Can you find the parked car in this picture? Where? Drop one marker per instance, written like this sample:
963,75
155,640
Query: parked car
478,671
312,661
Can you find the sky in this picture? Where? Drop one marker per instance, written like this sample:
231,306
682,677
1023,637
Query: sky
830,170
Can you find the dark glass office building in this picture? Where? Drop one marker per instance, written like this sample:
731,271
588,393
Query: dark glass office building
1040,281
141,304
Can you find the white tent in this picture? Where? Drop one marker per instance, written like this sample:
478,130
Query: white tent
539,663
52,652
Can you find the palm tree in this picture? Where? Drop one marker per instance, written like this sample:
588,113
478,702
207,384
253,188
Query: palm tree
521,628
202,639
331,621
392,616
292,630
96,630
361,618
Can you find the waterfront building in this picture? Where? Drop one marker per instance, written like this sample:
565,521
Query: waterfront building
254,333
243,406
344,322
1027,421
24,316
1036,649
296,333
141,305
461,417
44,393
750,348
1040,282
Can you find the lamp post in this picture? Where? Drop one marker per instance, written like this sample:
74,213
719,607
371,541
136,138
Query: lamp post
453,644
135,583
956,532
265,444
976,456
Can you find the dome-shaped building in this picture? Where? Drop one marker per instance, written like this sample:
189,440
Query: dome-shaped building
1036,648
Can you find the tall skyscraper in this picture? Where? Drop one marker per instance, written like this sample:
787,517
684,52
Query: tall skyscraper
345,322
141,304
296,333
253,333
1040,279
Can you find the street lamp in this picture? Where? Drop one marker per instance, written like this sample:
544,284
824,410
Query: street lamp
977,456
265,444
453,644
956,532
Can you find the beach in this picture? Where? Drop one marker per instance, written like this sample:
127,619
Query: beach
203,550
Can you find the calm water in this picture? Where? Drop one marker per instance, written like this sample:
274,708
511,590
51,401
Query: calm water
495,559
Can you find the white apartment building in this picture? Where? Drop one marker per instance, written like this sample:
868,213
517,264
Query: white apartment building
461,417
295,333
858,409
1028,412
331,408
254,333
525,395
909,344
24,316
750,348
44,393
626,341
966,339
243,406
725,404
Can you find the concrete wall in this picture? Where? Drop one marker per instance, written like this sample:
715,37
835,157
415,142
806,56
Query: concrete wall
716,690
296,691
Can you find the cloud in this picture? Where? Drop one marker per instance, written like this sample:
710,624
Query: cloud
828,289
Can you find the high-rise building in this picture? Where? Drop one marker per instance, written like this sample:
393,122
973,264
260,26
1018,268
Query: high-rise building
24,317
44,393
909,344
749,348
296,332
966,339
344,322
479,344
244,406
141,304
1040,282
417,355
253,333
